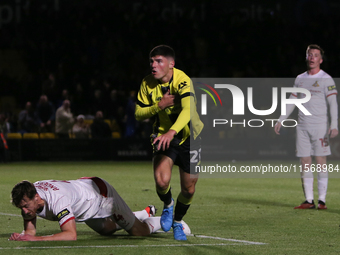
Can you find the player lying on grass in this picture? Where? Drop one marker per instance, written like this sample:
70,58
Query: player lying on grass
90,199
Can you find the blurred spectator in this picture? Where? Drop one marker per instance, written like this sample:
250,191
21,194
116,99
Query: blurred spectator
50,88
99,128
64,120
115,108
80,102
130,119
4,129
97,102
65,95
106,91
4,125
81,129
46,114
28,120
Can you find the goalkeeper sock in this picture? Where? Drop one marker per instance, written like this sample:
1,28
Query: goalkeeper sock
165,195
182,206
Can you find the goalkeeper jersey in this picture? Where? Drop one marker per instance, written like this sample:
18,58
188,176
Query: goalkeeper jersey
180,117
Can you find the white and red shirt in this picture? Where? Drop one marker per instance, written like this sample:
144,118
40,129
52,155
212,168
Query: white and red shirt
66,200
321,86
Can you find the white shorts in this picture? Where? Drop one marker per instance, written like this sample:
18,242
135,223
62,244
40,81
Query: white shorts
112,205
312,142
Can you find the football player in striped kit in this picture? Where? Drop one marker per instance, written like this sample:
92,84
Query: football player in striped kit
167,94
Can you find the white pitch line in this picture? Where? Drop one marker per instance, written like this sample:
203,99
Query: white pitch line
218,238
231,240
8,214
199,236
115,246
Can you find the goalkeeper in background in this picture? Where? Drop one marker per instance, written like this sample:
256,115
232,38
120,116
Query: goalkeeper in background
167,94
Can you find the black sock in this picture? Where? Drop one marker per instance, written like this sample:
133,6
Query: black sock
180,210
166,198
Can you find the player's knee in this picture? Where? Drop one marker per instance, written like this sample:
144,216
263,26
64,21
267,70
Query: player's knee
188,192
103,226
162,184
306,161
139,229
320,160
106,232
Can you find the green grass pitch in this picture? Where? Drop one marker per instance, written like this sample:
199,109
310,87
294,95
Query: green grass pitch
232,212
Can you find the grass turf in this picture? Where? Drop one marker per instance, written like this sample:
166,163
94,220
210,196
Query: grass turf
251,209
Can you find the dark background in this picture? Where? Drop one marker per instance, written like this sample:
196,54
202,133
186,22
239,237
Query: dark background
80,40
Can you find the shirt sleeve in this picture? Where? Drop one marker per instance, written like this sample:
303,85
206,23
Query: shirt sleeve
63,211
144,107
333,111
289,107
331,95
184,116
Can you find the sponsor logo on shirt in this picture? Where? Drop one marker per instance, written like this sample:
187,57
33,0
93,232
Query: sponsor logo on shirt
331,87
62,214
182,85
316,84
45,186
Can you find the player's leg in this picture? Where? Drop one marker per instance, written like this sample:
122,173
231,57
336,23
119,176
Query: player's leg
162,173
184,199
307,180
107,226
321,162
322,150
149,211
304,151
103,226
121,216
146,227
190,157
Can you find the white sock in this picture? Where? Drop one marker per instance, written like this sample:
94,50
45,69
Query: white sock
154,223
141,215
322,185
172,203
307,184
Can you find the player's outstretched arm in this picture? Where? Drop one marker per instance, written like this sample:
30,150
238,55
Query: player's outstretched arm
68,233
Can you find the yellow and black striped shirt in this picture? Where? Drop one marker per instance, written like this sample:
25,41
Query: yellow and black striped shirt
179,117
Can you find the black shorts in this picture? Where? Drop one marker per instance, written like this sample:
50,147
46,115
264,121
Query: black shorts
185,156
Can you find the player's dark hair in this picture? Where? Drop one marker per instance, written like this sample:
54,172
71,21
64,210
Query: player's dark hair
315,47
162,50
20,190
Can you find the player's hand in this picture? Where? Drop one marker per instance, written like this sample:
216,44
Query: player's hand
277,128
166,101
333,132
21,237
164,140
